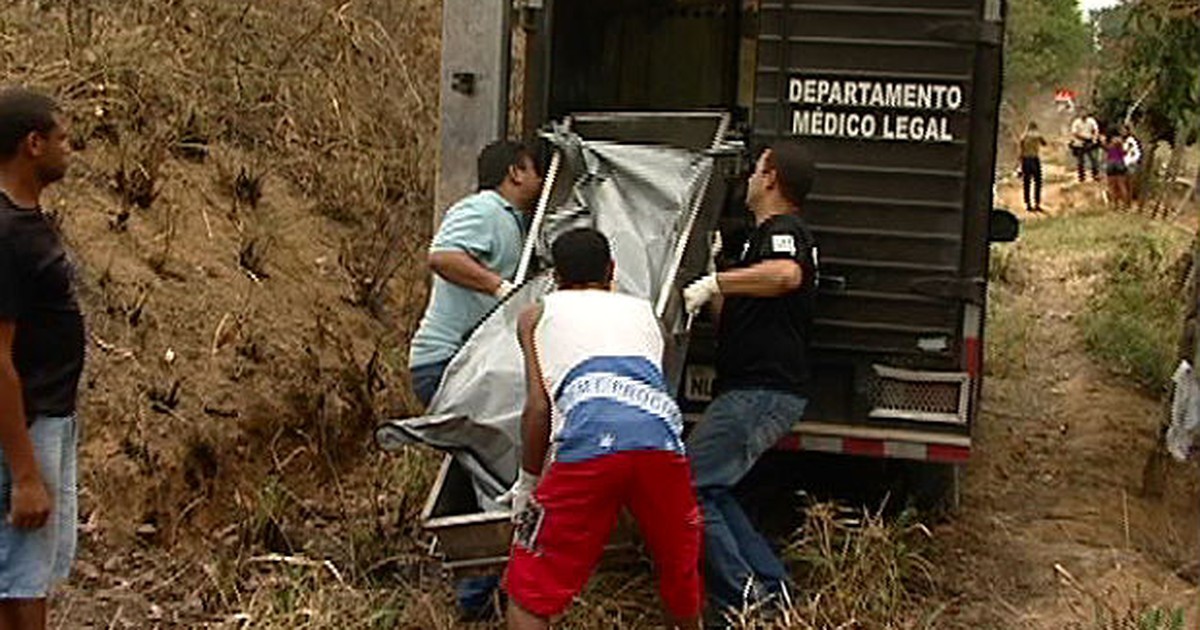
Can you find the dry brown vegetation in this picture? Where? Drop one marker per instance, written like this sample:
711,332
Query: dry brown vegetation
251,189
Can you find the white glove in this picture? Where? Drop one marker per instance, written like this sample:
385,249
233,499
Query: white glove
503,290
699,292
518,495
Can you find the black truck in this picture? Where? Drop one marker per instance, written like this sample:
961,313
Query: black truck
897,99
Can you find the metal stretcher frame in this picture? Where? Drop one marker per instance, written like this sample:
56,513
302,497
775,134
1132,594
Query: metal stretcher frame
479,540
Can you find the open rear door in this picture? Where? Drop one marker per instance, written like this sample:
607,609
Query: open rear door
898,101
648,196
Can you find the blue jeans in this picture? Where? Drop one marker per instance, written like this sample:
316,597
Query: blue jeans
1087,153
473,594
738,427
426,378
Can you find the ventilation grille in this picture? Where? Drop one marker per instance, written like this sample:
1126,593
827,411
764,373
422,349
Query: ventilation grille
920,396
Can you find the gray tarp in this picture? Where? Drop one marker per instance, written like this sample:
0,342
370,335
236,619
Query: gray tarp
641,197
1184,431
638,196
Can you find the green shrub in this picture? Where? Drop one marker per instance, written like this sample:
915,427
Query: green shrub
1132,320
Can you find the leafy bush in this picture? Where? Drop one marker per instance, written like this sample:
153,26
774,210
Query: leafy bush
1132,320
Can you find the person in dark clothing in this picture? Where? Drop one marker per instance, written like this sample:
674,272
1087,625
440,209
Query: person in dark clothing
1031,167
765,304
41,359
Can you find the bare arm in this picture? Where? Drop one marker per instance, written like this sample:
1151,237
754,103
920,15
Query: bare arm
30,503
535,418
462,269
14,437
769,278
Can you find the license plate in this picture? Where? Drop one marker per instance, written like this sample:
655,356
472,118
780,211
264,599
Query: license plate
698,383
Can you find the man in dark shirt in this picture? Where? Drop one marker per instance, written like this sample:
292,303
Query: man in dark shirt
765,304
41,359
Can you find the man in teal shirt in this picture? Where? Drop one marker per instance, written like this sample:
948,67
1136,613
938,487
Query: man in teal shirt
474,257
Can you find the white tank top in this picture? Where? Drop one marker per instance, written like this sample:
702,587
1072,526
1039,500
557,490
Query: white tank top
600,354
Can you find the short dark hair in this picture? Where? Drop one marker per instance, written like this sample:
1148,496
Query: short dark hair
496,158
795,169
581,256
22,112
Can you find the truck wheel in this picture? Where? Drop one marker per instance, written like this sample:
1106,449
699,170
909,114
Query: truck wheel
932,488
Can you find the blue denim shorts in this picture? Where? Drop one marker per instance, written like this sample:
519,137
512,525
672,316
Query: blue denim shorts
33,561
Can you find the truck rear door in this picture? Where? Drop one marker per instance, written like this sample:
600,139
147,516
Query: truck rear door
898,100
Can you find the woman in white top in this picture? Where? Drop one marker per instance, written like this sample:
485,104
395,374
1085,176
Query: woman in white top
1133,159
1133,149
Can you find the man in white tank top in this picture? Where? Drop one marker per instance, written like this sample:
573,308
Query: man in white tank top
599,421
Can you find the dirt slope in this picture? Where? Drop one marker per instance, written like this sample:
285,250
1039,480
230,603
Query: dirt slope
251,183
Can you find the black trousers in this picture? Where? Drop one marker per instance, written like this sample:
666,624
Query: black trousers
1031,172
1087,153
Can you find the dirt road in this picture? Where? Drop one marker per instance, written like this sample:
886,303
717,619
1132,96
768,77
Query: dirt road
1054,526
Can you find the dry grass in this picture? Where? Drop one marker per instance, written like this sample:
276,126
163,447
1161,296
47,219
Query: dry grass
251,192
1010,324
1131,266
340,98
853,569
342,561
1113,610
858,569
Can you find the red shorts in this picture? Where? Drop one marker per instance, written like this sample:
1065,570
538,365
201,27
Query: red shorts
581,502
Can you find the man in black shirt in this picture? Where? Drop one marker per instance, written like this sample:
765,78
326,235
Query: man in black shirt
41,359
765,304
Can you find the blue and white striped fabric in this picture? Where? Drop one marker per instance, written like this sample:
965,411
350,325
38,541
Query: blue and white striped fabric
600,355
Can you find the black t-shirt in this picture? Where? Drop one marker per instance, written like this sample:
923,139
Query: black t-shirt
762,343
37,292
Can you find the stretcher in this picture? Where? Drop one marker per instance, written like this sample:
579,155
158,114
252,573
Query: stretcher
654,184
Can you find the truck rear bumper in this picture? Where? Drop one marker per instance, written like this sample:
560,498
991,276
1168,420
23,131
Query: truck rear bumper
865,441
877,442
